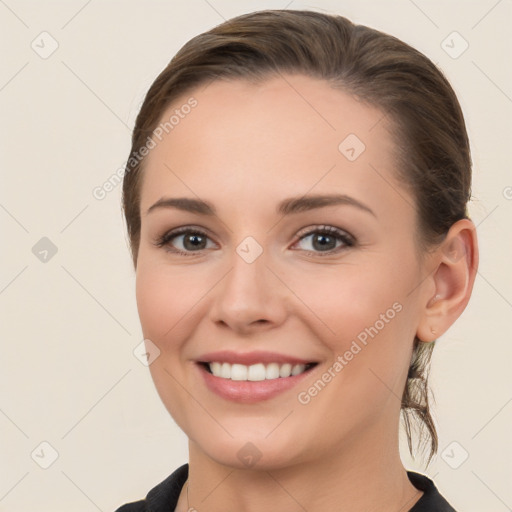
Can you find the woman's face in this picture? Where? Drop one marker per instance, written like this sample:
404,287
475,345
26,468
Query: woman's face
271,277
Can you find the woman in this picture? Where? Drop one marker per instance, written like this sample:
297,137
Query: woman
296,203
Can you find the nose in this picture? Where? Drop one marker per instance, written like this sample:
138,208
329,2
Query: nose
249,298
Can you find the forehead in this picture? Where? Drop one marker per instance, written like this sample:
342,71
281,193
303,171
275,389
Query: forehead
256,140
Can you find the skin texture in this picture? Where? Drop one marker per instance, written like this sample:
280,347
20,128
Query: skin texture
245,148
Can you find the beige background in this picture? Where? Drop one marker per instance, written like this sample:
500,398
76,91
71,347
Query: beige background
68,375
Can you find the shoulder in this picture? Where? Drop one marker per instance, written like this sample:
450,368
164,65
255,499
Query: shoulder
432,500
136,506
162,497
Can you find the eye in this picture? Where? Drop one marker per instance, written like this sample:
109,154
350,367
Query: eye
325,239
185,241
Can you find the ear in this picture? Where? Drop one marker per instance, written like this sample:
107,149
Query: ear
455,266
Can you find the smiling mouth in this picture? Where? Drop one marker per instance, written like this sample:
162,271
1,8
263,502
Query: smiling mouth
255,372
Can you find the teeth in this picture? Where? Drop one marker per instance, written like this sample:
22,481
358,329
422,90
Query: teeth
238,372
285,370
272,371
298,368
255,372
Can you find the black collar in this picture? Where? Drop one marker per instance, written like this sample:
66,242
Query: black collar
164,497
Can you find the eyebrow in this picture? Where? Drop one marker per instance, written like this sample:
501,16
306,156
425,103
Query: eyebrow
288,206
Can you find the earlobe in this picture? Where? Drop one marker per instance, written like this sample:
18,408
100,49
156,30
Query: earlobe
455,266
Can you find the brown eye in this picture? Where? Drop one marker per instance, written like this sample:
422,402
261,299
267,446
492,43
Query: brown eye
194,241
325,240
185,241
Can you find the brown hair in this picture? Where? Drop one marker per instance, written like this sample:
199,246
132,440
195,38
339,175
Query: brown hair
431,141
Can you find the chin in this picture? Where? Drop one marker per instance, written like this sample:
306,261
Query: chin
251,456
249,449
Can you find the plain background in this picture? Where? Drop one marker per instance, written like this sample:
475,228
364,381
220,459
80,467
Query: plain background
68,374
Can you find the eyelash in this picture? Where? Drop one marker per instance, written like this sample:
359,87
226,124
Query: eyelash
344,237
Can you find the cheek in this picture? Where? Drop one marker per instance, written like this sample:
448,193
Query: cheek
154,300
166,297
361,313
346,300
165,301
368,338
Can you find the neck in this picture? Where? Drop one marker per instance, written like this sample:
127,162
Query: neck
365,475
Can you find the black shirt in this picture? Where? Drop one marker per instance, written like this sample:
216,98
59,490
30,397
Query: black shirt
164,497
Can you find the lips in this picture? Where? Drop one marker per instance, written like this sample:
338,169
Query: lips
252,376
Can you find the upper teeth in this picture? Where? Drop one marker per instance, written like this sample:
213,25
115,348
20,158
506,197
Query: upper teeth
255,372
